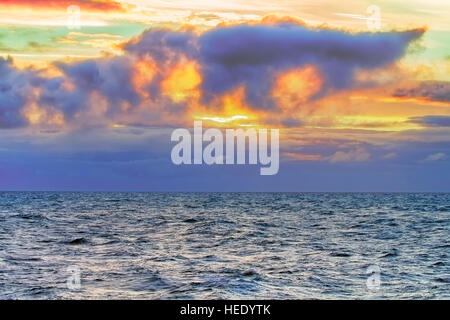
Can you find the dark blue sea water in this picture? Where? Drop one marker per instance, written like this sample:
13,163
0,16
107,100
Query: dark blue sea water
224,245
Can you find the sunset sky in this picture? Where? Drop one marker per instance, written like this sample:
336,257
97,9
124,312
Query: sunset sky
359,108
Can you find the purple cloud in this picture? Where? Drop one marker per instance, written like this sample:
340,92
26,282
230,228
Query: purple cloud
254,55
432,90
432,121
228,57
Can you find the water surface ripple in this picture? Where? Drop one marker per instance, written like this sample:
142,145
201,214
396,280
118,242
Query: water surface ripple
224,245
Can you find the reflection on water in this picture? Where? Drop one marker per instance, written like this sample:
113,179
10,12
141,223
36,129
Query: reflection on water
223,245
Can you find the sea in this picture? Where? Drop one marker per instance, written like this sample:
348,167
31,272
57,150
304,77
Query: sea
120,245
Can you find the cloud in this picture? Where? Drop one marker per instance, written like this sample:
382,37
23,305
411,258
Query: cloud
164,45
430,90
165,74
254,55
355,155
432,121
389,156
97,5
302,157
435,157
14,88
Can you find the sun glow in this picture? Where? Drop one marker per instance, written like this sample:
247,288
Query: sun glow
224,120
384,123
183,82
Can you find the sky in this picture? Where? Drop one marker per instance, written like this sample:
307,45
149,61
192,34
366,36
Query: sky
91,90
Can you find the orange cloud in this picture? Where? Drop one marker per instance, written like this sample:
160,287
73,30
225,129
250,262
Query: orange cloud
228,110
36,115
182,82
90,5
296,86
302,157
143,74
